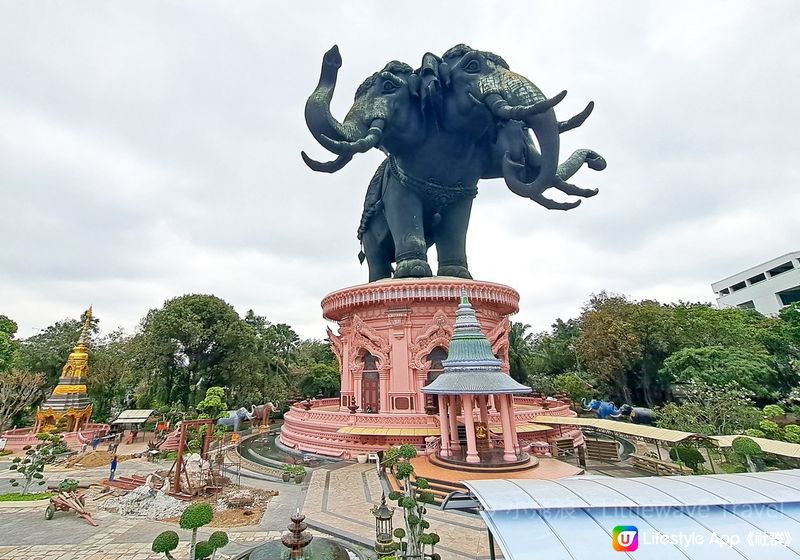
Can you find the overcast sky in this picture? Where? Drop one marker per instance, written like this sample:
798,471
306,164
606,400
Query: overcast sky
152,149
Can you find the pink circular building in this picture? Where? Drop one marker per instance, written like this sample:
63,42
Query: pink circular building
393,336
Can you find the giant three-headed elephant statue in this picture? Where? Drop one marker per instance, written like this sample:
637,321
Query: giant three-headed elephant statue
445,126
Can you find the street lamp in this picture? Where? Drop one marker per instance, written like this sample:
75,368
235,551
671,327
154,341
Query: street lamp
384,543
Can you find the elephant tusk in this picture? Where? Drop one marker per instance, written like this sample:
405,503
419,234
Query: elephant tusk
326,166
577,120
511,170
347,148
568,188
503,110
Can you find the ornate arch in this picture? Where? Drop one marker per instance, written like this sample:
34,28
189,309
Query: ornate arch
336,347
437,333
498,338
365,338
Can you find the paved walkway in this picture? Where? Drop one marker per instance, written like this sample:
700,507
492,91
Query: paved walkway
337,499
342,499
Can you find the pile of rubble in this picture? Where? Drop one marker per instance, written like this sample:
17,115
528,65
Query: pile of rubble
146,502
244,499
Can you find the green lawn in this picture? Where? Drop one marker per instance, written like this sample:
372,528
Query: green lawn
17,497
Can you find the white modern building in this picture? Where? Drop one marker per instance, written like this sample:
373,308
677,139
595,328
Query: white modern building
766,288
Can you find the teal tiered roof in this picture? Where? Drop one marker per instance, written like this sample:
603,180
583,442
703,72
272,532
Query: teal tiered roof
471,368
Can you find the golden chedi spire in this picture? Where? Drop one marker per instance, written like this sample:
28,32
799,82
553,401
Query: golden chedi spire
69,399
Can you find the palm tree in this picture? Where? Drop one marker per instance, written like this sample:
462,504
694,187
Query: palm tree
520,351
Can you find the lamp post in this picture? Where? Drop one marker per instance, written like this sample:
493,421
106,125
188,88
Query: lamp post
384,542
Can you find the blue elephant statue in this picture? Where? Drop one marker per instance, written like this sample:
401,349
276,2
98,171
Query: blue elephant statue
235,418
603,409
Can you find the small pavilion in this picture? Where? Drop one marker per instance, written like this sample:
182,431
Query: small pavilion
472,378
69,401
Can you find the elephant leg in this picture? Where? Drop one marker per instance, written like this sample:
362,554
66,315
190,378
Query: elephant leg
404,215
378,248
451,239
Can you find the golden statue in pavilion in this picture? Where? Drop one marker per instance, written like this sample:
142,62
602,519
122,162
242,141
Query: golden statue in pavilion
68,406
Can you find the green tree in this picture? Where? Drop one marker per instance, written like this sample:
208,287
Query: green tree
19,390
608,345
193,342
8,346
555,352
573,385
722,365
213,405
321,379
111,373
520,352
31,465
710,410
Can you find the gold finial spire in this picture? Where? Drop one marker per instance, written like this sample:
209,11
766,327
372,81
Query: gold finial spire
87,323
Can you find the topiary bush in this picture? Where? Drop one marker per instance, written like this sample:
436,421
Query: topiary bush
68,485
203,550
745,450
770,429
689,456
772,411
165,543
791,433
218,539
194,517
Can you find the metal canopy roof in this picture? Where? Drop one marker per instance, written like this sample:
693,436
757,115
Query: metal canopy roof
652,433
634,430
573,518
133,416
774,447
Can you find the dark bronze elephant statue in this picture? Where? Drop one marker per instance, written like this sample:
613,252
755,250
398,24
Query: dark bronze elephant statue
445,126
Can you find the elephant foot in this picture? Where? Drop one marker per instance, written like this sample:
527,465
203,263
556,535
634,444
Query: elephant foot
455,271
413,268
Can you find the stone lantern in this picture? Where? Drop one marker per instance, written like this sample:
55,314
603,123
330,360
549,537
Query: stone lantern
384,543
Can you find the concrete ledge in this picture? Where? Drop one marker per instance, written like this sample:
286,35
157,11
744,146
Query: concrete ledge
26,504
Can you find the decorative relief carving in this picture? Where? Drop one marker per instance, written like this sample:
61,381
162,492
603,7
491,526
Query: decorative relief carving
365,338
437,333
336,347
498,338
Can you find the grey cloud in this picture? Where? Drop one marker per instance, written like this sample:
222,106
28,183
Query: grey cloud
152,149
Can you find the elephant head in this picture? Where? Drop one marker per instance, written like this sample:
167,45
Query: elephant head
593,404
624,410
480,86
385,112
243,415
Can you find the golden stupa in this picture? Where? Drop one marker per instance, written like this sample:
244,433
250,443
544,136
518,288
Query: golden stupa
69,404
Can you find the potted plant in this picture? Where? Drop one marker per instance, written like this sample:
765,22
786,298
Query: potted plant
288,472
299,474
362,458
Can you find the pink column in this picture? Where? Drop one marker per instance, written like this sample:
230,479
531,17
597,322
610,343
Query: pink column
469,424
357,388
444,426
482,405
453,413
508,405
383,404
508,439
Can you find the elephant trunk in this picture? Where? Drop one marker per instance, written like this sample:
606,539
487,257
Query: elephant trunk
319,119
511,96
